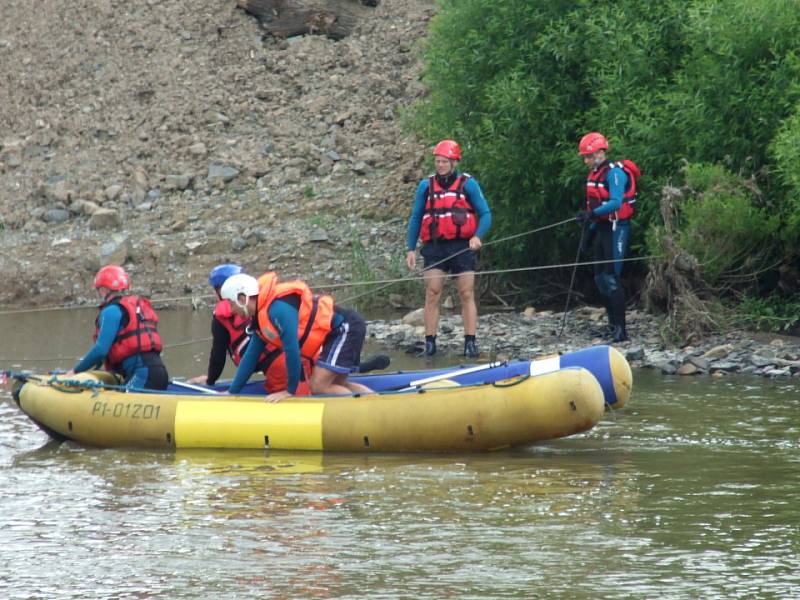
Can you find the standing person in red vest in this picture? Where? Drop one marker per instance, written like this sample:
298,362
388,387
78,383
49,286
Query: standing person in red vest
610,200
451,217
126,334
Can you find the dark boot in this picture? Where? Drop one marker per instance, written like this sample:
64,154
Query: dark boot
377,362
470,349
618,333
610,315
430,346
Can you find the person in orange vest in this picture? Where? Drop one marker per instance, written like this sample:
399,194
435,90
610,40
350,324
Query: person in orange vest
230,335
126,334
289,316
609,206
451,217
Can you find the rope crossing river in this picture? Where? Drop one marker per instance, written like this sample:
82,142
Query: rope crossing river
383,283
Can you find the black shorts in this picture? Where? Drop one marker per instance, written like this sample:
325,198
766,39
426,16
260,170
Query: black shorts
440,255
157,376
341,351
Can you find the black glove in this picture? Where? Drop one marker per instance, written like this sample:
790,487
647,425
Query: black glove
583,215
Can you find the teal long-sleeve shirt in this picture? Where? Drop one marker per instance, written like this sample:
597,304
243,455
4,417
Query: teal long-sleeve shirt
616,180
110,320
475,197
285,317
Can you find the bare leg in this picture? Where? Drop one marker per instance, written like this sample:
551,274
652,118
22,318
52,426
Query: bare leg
466,292
357,388
434,284
324,381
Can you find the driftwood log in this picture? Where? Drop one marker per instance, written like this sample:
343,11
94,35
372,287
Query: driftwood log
285,18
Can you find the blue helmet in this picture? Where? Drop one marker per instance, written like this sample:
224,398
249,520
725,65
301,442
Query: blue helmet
221,272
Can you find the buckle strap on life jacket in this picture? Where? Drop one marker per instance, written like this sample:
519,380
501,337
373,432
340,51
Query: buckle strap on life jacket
268,358
435,213
311,318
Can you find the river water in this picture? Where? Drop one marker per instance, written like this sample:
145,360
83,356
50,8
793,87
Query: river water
690,491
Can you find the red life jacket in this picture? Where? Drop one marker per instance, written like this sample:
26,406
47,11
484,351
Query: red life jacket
448,213
236,326
597,189
137,332
272,361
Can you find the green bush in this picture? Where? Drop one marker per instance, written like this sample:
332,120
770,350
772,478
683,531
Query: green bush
773,313
786,150
518,83
721,226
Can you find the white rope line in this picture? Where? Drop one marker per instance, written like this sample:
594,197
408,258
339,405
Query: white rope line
72,358
389,282
413,277
385,281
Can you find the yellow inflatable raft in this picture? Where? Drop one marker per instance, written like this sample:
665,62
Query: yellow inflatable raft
436,419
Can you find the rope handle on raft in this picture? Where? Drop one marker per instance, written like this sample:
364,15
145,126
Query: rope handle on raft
70,386
507,383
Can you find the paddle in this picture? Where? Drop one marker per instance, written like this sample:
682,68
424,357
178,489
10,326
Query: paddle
191,386
451,374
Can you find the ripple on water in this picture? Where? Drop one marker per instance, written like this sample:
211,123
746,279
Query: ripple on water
688,492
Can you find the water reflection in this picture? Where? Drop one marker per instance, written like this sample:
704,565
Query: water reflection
690,491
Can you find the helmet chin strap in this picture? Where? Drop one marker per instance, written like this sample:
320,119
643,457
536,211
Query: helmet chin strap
239,304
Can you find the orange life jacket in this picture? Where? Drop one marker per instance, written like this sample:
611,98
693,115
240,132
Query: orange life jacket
315,314
272,361
137,333
597,189
448,213
276,377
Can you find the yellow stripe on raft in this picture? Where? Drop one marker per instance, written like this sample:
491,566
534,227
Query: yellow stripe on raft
252,424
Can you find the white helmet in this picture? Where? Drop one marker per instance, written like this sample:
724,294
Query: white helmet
239,284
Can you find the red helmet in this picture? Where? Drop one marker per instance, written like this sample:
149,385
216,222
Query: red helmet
592,142
448,149
113,277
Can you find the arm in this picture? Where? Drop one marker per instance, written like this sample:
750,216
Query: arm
110,319
285,318
417,211
475,195
219,350
616,179
249,361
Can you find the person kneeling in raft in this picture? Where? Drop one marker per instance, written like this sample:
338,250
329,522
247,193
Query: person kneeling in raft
288,315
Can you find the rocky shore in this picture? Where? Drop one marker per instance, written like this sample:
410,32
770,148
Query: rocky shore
533,333
170,140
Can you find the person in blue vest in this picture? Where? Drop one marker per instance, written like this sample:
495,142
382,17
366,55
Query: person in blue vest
451,217
126,334
609,206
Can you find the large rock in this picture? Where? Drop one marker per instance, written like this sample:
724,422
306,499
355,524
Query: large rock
105,218
219,173
414,318
113,191
177,182
718,352
115,251
56,215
